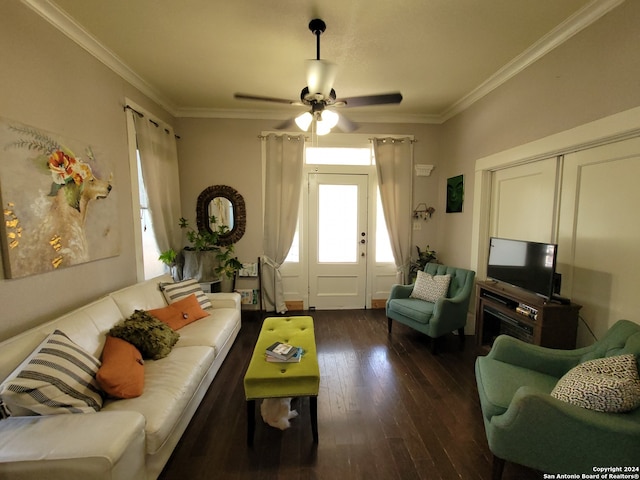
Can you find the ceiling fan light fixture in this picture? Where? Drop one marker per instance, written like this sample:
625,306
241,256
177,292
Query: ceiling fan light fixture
319,94
329,118
322,129
325,121
320,76
304,120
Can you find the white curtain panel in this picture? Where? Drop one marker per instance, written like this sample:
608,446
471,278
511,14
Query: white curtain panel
394,160
283,181
159,162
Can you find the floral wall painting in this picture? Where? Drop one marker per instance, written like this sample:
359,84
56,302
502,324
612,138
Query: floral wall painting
455,194
58,199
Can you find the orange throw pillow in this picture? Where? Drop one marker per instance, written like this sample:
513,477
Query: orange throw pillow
121,374
180,313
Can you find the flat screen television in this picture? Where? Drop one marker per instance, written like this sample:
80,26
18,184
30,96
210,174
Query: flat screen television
528,265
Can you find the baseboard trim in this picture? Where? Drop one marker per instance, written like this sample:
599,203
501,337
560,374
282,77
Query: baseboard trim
295,305
378,303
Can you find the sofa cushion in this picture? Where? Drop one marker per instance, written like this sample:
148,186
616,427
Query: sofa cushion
430,287
170,384
417,310
211,331
609,384
180,313
153,338
107,446
179,290
58,377
499,381
141,296
121,374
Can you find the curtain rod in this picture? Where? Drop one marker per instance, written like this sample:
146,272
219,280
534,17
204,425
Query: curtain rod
289,136
393,140
141,115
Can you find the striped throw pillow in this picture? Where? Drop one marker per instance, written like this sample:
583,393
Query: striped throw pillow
59,377
179,290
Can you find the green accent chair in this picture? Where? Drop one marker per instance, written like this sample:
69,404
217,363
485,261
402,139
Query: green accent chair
446,315
524,424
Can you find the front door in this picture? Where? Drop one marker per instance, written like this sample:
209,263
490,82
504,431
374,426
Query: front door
337,241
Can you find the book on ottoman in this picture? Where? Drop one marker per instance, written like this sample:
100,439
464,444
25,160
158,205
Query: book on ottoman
297,355
281,351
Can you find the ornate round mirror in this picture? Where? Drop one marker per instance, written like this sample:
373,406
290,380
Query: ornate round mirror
227,206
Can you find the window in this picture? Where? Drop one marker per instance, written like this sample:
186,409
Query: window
338,156
384,254
150,251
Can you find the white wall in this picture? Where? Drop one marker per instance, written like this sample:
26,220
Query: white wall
593,75
49,82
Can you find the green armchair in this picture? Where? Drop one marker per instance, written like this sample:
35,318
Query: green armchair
524,424
446,315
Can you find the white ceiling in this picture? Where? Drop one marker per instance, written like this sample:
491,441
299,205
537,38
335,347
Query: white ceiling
192,55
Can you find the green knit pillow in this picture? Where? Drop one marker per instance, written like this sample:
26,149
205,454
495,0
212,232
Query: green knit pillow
153,338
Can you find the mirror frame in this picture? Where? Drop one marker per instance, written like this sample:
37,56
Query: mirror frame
239,212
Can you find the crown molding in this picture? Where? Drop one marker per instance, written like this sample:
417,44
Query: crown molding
571,26
266,115
76,32
556,37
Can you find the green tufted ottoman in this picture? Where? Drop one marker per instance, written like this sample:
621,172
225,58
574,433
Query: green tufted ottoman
272,380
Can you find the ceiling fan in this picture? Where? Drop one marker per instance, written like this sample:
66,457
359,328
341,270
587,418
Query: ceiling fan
321,97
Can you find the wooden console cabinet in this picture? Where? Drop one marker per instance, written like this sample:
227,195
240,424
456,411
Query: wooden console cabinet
502,309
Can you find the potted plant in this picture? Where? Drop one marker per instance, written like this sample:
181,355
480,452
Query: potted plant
424,256
228,265
204,259
169,258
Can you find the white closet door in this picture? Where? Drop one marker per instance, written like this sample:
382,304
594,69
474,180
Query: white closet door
523,200
599,234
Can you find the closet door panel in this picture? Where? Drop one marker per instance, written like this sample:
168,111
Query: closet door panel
523,201
599,234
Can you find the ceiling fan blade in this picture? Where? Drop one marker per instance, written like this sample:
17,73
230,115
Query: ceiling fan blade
287,124
245,96
367,100
346,125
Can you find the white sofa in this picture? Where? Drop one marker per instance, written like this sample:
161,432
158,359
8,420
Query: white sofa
128,438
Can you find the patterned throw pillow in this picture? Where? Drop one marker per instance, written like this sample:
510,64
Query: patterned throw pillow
609,384
149,335
59,377
429,287
179,290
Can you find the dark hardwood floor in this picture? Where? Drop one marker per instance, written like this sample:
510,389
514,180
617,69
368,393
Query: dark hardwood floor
387,409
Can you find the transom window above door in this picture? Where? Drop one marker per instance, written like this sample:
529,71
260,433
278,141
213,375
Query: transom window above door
338,156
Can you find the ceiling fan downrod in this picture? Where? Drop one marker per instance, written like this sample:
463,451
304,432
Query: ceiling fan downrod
317,27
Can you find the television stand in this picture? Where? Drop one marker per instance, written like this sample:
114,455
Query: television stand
503,309
560,300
